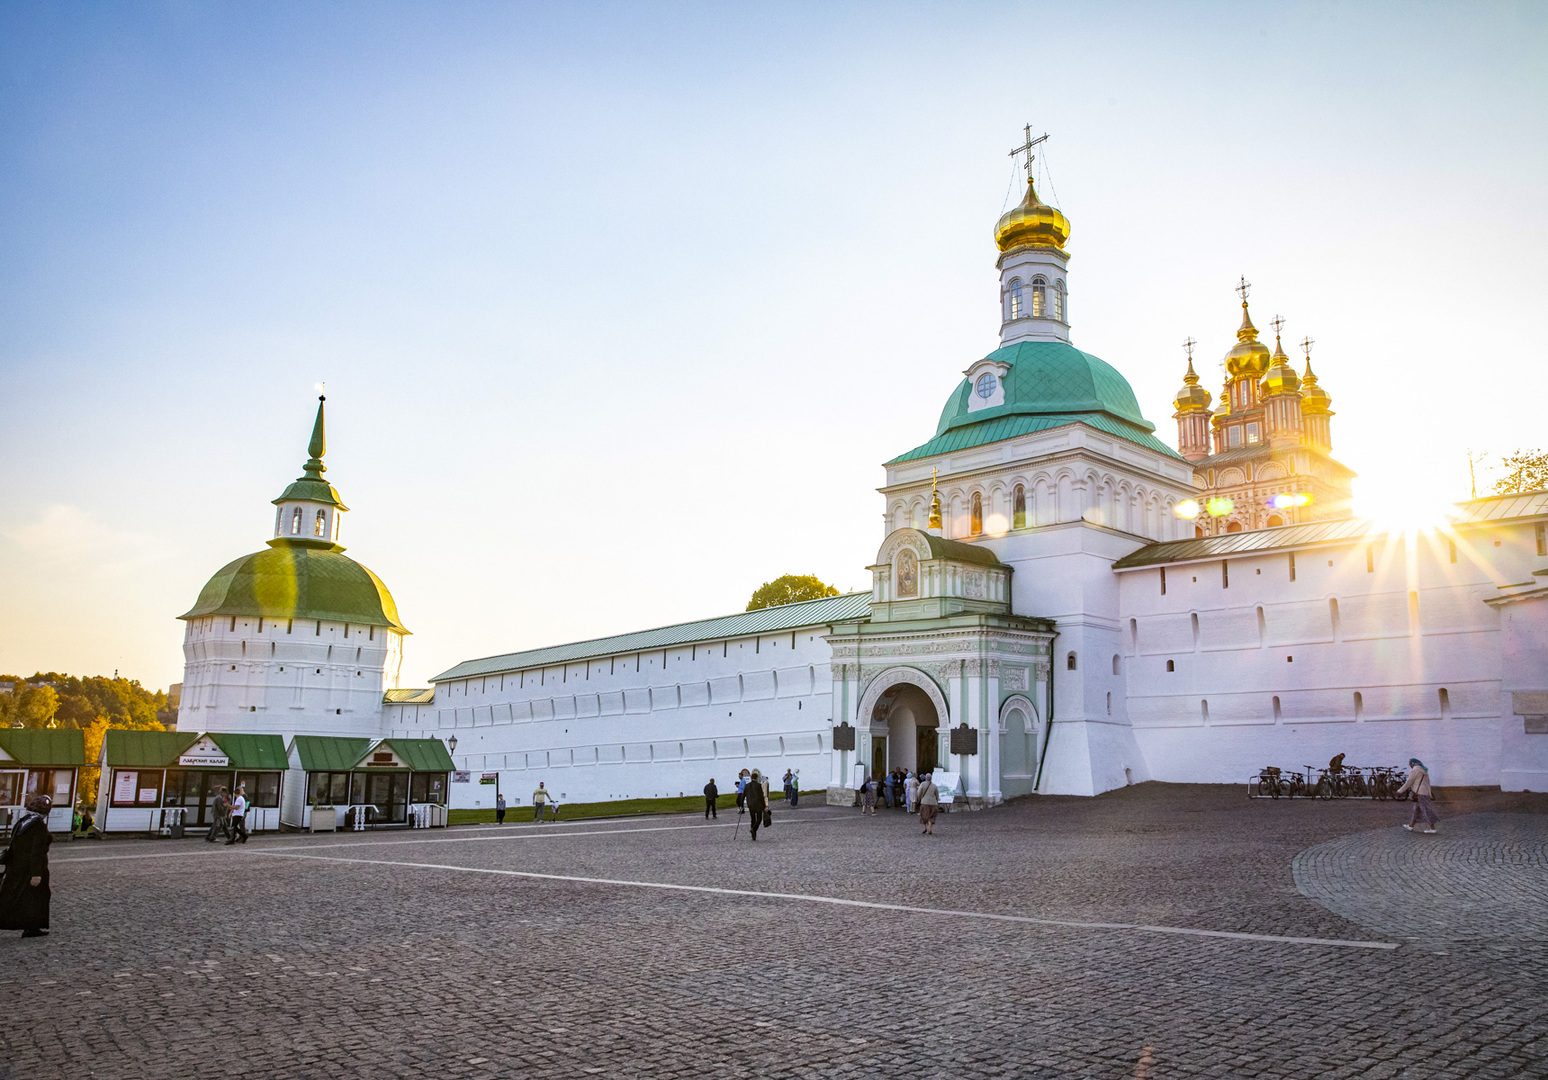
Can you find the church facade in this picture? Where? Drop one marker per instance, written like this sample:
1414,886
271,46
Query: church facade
1061,602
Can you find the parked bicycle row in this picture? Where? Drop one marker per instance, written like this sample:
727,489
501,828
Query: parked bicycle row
1336,781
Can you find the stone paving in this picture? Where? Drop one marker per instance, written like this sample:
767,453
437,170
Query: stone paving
413,955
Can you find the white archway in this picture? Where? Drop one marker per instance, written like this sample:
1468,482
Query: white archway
894,677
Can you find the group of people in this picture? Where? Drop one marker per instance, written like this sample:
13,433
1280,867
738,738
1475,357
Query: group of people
904,789
542,803
230,816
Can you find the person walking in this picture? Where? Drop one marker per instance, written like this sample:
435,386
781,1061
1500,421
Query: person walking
221,826
868,796
499,809
789,787
757,798
238,817
24,891
929,804
711,793
741,790
540,801
795,787
1418,785
911,791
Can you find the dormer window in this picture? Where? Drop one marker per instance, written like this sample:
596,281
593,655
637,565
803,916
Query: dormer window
986,384
295,522
320,526
1015,298
1039,297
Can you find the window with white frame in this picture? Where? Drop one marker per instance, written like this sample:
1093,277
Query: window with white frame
1039,297
1014,291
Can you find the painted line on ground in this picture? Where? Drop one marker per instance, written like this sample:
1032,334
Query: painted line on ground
524,834
842,902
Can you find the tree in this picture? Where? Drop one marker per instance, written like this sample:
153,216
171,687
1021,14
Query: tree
789,589
36,706
1528,472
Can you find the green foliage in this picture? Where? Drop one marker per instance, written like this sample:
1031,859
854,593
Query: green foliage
1528,472
789,589
69,701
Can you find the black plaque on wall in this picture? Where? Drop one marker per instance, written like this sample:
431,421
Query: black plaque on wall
844,737
964,740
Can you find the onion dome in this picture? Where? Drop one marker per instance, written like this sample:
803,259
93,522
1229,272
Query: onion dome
1032,224
296,581
1314,399
1192,397
1280,377
1248,356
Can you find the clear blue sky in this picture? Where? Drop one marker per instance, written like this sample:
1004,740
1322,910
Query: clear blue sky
620,307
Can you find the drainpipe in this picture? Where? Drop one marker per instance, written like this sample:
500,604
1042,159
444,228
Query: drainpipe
1048,734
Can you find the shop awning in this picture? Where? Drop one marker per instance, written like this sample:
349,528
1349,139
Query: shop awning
44,746
422,755
132,749
329,753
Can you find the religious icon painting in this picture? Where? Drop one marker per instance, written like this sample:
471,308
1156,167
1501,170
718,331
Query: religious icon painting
908,573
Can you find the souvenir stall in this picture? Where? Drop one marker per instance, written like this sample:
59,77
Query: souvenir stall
166,782
341,783
44,761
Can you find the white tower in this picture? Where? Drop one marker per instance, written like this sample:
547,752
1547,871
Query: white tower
297,638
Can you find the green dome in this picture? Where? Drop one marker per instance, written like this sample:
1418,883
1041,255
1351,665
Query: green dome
298,581
1049,384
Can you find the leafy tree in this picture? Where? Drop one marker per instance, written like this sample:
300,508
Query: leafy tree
1528,472
789,589
36,706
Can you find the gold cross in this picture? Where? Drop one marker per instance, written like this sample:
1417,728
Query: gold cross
1306,345
932,481
1026,147
1188,347
1277,323
1243,289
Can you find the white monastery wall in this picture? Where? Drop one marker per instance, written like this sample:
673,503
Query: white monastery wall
243,673
639,724
1381,650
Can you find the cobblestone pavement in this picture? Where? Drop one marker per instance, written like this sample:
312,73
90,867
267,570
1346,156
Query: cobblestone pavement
1483,877
414,955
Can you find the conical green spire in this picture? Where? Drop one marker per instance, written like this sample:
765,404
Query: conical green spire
310,485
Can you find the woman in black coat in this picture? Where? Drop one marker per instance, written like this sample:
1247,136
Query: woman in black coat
24,891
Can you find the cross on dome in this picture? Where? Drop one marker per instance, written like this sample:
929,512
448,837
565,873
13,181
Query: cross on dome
1306,345
1026,147
1188,348
1243,290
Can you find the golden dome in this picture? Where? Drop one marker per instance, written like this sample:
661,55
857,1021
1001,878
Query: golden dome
1314,399
1032,224
1192,397
1280,377
1248,356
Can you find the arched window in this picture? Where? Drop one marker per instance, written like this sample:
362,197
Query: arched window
1235,526
320,526
295,522
1019,508
1039,297
1015,298
976,520
1275,521
1069,662
1059,301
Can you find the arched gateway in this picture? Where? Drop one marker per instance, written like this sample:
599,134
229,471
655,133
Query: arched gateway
941,648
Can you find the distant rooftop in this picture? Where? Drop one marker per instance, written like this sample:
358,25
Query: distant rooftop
832,609
1493,509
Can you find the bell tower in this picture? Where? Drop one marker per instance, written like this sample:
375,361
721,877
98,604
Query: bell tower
1034,296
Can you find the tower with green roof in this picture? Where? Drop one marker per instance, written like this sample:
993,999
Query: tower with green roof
297,637
1043,458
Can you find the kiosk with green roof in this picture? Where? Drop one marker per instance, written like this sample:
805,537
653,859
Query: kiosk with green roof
41,761
339,782
153,779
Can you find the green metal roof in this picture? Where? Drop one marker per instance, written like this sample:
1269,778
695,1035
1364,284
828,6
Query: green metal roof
297,581
418,696
1050,384
252,751
1487,511
329,753
44,746
135,749
310,485
941,548
422,755
831,609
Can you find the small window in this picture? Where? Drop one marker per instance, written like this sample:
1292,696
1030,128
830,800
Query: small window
1069,662
1039,298
1015,298
1274,521
1542,539
1234,435
1163,581
1116,661
1252,433
985,385
1019,508
295,522
1171,665
1059,300
1445,704
1292,566
976,519
320,526
1359,704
